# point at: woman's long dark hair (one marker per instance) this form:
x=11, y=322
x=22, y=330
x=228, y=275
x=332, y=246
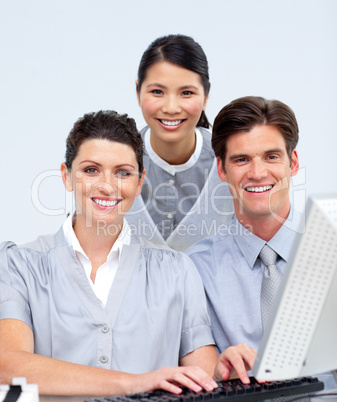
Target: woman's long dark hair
x=180, y=50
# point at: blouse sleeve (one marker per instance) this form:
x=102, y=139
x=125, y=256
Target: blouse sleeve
x=196, y=329
x=13, y=290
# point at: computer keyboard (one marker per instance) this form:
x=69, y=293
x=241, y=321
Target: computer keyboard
x=227, y=391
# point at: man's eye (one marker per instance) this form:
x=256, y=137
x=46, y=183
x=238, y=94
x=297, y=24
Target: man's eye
x=272, y=157
x=90, y=170
x=241, y=160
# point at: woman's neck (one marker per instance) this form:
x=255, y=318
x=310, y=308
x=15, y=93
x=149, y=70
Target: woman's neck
x=174, y=153
x=96, y=241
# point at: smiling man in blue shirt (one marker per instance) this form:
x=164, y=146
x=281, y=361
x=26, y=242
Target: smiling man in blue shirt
x=254, y=141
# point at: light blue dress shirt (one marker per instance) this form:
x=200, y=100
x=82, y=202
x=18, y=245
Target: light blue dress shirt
x=232, y=275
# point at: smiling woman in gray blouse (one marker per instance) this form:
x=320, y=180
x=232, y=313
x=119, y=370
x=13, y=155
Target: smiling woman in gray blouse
x=93, y=310
x=182, y=199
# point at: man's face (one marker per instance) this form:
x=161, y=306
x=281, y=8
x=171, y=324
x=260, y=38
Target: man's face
x=258, y=171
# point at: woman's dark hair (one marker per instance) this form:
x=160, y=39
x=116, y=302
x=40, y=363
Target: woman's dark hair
x=104, y=125
x=243, y=114
x=180, y=50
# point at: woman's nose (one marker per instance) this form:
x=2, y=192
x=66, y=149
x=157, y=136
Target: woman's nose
x=109, y=183
x=171, y=105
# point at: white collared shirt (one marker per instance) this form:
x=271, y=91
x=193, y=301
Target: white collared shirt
x=106, y=273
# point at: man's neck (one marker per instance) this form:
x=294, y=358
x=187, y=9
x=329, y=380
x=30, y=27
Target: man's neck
x=264, y=227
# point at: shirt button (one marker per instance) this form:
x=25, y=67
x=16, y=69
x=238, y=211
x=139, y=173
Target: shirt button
x=105, y=329
x=104, y=359
x=171, y=169
x=171, y=182
x=170, y=216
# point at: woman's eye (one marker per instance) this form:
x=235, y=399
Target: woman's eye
x=90, y=170
x=187, y=93
x=157, y=91
x=123, y=173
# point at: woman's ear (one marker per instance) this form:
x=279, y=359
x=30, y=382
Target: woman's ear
x=137, y=92
x=66, y=177
x=205, y=103
x=206, y=98
x=140, y=183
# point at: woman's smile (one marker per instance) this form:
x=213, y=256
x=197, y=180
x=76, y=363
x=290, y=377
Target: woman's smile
x=105, y=202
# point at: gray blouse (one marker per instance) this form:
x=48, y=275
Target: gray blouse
x=155, y=314
x=178, y=207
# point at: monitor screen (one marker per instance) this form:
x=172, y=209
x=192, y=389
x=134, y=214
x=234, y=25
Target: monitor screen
x=301, y=337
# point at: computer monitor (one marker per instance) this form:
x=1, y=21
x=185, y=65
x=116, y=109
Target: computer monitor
x=301, y=337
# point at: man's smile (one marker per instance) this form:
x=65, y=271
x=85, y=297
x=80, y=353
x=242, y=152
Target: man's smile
x=258, y=189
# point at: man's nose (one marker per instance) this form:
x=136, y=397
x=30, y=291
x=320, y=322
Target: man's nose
x=257, y=170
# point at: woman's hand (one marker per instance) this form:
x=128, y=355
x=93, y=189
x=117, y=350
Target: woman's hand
x=171, y=379
x=56, y=377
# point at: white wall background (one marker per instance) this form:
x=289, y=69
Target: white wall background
x=63, y=58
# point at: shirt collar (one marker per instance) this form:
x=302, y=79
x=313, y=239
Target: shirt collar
x=284, y=239
x=173, y=169
x=249, y=244
x=282, y=242
x=124, y=237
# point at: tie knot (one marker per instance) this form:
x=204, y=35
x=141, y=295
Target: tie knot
x=268, y=255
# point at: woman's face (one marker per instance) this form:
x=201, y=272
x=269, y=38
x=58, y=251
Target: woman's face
x=172, y=99
x=105, y=180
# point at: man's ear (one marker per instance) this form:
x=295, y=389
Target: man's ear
x=221, y=172
x=66, y=177
x=294, y=163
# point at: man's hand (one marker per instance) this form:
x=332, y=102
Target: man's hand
x=235, y=361
x=171, y=379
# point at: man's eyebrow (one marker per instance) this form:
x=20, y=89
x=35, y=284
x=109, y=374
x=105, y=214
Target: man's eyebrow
x=275, y=151
x=237, y=156
x=268, y=151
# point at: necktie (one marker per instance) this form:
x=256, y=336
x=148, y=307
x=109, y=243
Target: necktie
x=270, y=282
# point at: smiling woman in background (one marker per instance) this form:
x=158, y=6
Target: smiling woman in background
x=182, y=199
x=93, y=310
